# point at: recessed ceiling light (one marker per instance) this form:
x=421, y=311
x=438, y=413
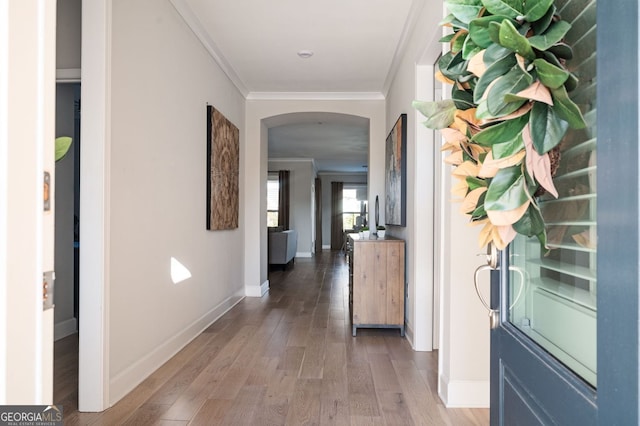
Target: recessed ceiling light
x=304, y=54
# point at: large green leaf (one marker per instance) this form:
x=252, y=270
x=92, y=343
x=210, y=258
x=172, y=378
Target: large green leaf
x=542, y=237
x=512, y=82
x=464, y=10
x=495, y=53
x=452, y=65
x=462, y=99
x=482, y=113
x=531, y=223
x=566, y=109
x=439, y=114
x=512, y=39
x=562, y=50
x=510, y=8
x=475, y=183
x=479, y=213
x=494, y=32
x=479, y=29
x=470, y=48
x=447, y=38
x=572, y=81
x=63, y=143
x=507, y=190
x=458, y=41
x=454, y=23
x=508, y=148
x=547, y=129
x=495, y=70
x=555, y=33
x=501, y=132
x=542, y=24
x=451, y=21
x=536, y=9
x=549, y=74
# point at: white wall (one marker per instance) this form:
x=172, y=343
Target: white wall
x=254, y=163
x=161, y=81
x=418, y=231
x=300, y=216
x=464, y=345
x=327, y=178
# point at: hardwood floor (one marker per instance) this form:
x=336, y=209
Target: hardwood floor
x=285, y=359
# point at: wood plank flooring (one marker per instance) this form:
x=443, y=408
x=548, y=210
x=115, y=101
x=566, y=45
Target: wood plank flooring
x=285, y=359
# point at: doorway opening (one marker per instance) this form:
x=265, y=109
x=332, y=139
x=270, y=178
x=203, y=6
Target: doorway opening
x=67, y=245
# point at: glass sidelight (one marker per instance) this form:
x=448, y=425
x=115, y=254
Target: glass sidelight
x=558, y=307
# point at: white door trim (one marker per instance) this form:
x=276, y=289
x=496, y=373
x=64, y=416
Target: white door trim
x=93, y=374
x=27, y=106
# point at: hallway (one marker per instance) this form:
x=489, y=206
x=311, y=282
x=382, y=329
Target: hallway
x=287, y=358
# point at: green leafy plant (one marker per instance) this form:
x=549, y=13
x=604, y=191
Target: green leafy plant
x=63, y=143
x=508, y=112
x=380, y=228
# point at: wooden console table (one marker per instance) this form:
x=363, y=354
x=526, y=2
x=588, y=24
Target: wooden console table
x=376, y=282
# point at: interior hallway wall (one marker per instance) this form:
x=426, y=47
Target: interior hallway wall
x=161, y=81
x=255, y=161
x=301, y=180
x=464, y=344
x=327, y=178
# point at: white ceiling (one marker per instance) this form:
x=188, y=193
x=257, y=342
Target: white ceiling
x=355, y=44
x=336, y=142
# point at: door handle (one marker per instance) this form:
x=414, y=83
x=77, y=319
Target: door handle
x=492, y=265
x=494, y=314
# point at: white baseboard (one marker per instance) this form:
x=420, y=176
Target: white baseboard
x=127, y=380
x=65, y=328
x=255, y=291
x=326, y=247
x=303, y=254
x=464, y=393
x=408, y=334
x=264, y=288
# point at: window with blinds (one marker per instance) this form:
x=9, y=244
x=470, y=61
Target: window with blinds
x=354, y=206
x=553, y=295
x=273, y=203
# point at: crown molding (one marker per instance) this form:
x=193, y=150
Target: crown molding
x=196, y=26
x=293, y=160
x=338, y=173
x=409, y=25
x=315, y=96
x=68, y=75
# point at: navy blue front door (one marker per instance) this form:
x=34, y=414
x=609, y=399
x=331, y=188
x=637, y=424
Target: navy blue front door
x=564, y=346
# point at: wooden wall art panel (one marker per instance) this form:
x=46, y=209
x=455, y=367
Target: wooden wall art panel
x=223, y=164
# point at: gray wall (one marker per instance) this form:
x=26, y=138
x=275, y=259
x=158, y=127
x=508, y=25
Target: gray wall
x=161, y=81
x=68, y=34
x=301, y=192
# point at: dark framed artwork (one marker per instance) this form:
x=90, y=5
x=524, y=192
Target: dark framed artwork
x=223, y=171
x=396, y=174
